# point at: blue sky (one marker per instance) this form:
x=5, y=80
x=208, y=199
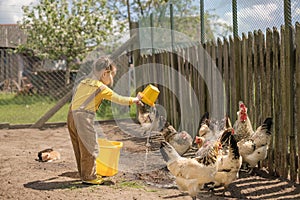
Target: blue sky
x=252, y=14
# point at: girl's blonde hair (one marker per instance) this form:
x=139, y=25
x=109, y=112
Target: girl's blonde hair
x=103, y=63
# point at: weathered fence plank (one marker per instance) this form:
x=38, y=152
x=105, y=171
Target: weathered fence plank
x=289, y=63
x=171, y=112
x=220, y=90
x=232, y=77
x=284, y=106
x=267, y=102
x=256, y=80
x=297, y=92
x=261, y=75
x=214, y=98
x=202, y=86
x=244, y=66
x=180, y=63
x=208, y=74
x=277, y=103
x=249, y=78
x=175, y=105
x=194, y=81
x=226, y=76
x=238, y=69
x=263, y=79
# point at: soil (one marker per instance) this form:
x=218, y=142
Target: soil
x=142, y=172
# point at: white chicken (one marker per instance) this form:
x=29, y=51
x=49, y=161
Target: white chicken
x=181, y=141
x=192, y=173
x=150, y=121
x=205, y=130
x=211, y=129
x=229, y=163
x=255, y=148
x=144, y=114
x=242, y=126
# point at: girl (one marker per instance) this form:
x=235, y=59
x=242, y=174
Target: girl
x=87, y=98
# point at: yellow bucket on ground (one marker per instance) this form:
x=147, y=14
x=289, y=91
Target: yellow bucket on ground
x=149, y=95
x=107, y=161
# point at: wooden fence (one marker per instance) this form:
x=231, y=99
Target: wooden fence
x=263, y=70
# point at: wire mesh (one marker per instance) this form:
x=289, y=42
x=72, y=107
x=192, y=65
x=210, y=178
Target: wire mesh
x=218, y=17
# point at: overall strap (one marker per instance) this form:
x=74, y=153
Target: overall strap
x=90, y=98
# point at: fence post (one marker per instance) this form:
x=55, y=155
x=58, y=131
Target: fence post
x=268, y=92
x=277, y=104
x=52, y=111
x=249, y=78
x=289, y=46
x=234, y=18
x=226, y=77
x=202, y=21
x=284, y=105
x=297, y=93
x=172, y=26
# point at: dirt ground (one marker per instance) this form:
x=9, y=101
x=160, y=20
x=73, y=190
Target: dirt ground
x=141, y=175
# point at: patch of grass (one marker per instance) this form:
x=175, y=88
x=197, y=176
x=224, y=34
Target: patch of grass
x=28, y=109
x=152, y=190
x=131, y=184
x=134, y=184
x=73, y=187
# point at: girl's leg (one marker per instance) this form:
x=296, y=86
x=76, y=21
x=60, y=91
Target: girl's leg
x=88, y=144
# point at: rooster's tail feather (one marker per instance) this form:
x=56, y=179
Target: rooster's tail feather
x=234, y=147
x=267, y=125
x=204, y=119
x=225, y=136
x=168, y=152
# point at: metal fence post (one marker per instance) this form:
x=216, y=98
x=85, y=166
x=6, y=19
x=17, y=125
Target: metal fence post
x=234, y=18
x=202, y=21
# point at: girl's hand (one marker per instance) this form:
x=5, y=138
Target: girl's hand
x=137, y=101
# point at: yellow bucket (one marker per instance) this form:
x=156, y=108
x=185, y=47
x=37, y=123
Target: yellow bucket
x=107, y=161
x=149, y=95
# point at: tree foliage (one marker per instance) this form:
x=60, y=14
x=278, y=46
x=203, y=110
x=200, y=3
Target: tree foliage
x=186, y=16
x=67, y=30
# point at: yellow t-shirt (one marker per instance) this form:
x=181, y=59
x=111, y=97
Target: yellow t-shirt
x=87, y=87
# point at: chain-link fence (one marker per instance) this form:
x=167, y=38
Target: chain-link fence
x=217, y=17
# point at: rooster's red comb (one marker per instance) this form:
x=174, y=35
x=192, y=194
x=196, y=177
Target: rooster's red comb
x=242, y=106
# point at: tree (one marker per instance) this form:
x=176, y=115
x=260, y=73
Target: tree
x=186, y=16
x=67, y=30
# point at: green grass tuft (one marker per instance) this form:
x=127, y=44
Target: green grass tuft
x=28, y=109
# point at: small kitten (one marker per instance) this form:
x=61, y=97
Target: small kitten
x=48, y=155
